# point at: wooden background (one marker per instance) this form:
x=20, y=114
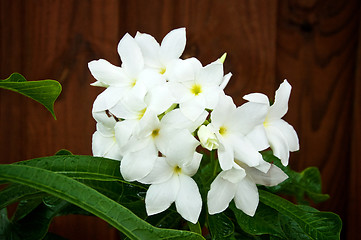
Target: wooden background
x=314, y=44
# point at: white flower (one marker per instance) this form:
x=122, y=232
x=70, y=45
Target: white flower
x=281, y=136
x=231, y=126
x=160, y=57
x=120, y=81
x=144, y=146
x=171, y=181
x=239, y=184
x=197, y=88
x=207, y=138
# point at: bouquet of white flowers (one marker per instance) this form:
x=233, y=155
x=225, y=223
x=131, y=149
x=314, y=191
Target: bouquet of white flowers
x=158, y=108
x=167, y=133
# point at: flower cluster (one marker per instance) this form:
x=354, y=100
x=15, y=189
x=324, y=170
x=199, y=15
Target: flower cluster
x=157, y=109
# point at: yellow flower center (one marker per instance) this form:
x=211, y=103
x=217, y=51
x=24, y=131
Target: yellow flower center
x=196, y=89
x=177, y=170
x=223, y=130
x=162, y=70
x=155, y=132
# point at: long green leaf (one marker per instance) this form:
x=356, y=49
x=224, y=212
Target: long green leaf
x=89, y=199
x=43, y=91
x=317, y=225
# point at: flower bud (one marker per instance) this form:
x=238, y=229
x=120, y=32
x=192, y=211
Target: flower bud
x=208, y=138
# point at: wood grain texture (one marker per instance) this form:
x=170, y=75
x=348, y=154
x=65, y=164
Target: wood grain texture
x=354, y=199
x=311, y=43
x=55, y=40
x=316, y=51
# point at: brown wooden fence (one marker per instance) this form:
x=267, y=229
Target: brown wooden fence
x=314, y=44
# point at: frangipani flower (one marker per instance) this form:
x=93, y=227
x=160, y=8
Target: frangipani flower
x=231, y=126
x=239, y=184
x=281, y=136
x=171, y=181
x=197, y=88
x=160, y=57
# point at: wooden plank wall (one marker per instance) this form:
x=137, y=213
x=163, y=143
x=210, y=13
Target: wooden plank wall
x=314, y=44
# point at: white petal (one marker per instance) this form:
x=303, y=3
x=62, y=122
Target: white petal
x=159, y=99
x=123, y=131
x=193, y=108
x=105, y=147
x=176, y=119
x=278, y=144
x=131, y=56
x=288, y=132
x=225, y=80
x=246, y=197
x=188, y=201
x=105, y=118
x=107, y=73
x=222, y=112
x=280, y=107
x=147, y=124
x=136, y=165
x=258, y=138
x=257, y=98
x=191, y=168
x=273, y=177
x=160, y=173
x=151, y=78
x=104, y=130
x=220, y=195
x=245, y=151
x=234, y=175
x=183, y=70
x=263, y=166
x=248, y=116
x=178, y=144
x=159, y=197
x=130, y=107
x=211, y=74
x=173, y=45
x=107, y=99
x=211, y=95
x=225, y=153
x=149, y=47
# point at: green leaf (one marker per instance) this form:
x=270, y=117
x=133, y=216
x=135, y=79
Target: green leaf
x=99, y=173
x=317, y=225
x=89, y=199
x=220, y=226
x=25, y=207
x=17, y=192
x=35, y=224
x=301, y=185
x=43, y=91
x=265, y=221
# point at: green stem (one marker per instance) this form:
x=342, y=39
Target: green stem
x=214, y=162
